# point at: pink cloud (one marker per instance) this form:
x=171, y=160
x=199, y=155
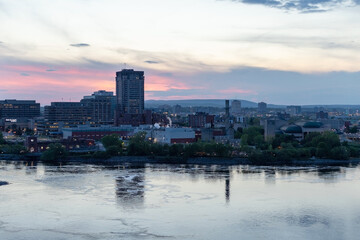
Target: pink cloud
x=34, y=82
x=160, y=83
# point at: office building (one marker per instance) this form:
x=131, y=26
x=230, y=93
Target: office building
x=14, y=109
x=262, y=107
x=100, y=107
x=200, y=120
x=63, y=115
x=236, y=107
x=130, y=91
x=293, y=110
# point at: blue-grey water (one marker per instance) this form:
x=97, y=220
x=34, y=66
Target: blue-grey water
x=178, y=202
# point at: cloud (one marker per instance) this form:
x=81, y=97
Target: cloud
x=80, y=45
x=304, y=6
x=50, y=70
x=152, y=62
x=25, y=74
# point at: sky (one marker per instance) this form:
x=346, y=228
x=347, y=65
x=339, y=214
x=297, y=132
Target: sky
x=277, y=51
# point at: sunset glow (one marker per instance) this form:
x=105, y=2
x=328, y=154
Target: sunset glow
x=49, y=52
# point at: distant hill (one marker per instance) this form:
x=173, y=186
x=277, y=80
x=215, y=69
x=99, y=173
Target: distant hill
x=220, y=103
x=203, y=103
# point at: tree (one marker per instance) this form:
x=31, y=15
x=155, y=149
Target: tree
x=222, y=150
x=252, y=133
x=176, y=150
x=331, y=140
x=138, y=145
x=113, y=145
x=114, y=150
x=14, y=149
x=244, y=139
x=191, y=150
x=259, y=141
x=322, y=150
x=238, y=133
x=353, y=129
x=2, y=140
x=254, y=121
x=340, y=153
x=282, y=138
x=111, y=140
x=54, y=152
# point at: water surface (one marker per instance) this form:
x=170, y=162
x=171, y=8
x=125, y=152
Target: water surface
x=178, y=202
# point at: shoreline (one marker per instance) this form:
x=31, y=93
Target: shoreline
x=190, y=161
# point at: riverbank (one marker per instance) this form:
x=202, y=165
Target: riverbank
x=191, y=161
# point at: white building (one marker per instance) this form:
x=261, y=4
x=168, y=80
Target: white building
x=173, y=135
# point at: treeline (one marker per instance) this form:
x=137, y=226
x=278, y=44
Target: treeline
x=281, y=149
x=139, y=146
x=6, y=148
x=285, y=148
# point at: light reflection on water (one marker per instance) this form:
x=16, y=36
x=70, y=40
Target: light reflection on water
x=178, y=202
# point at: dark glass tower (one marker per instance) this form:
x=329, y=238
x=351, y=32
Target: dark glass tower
x=130, y=91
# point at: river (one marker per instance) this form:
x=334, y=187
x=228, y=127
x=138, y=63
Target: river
x=82, y=201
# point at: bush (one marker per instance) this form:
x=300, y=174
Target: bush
x=114, y=150
x=111, y=140
x=2, y=140
x=13, y=149
x=340, y=153
x=54, y=152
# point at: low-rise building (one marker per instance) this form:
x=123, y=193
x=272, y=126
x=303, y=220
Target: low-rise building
x=173, y=135
x=96, y=133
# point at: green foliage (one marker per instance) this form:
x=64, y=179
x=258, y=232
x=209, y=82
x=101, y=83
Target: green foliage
x=322, y=150
x=113, y=145
x=54, y=152
x=353, y=129
x=111, y=140
x=157, y=149
x=114, y=150
x=354, y=150
x=2, y=140
x=331, y=139
x=138, y=145
x=12, y=149
x=285, y=156
x=340, y=153
x=252, y=133
x=238, y=133
x=244, y=140
x=259, y=141
x=254, y=121
x=282, y=138
x=176, y=150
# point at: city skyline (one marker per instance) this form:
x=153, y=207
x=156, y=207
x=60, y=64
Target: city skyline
x=281, y=52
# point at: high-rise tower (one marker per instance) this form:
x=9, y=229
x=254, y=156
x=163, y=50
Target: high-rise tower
x=130, y=91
